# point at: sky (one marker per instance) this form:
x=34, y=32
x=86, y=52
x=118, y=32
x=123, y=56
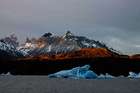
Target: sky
x=115, y=22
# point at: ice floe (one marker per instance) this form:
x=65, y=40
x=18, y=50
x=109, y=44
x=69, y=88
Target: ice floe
x=84, y=72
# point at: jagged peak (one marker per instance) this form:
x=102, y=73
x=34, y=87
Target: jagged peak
x=49, y=43
x=68, y=34
x=47, y=34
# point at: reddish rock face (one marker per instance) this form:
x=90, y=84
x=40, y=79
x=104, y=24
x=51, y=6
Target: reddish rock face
x=87, y=53
x=136, y=56
x=83, y=53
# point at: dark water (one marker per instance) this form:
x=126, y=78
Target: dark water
x=41, y=84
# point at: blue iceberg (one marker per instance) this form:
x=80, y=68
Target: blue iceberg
x=134, y=75
x=76, y=73
x=84, y=72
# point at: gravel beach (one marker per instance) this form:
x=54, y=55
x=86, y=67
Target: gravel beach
x=42, y=84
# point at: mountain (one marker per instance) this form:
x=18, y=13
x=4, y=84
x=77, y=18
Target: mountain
x=8, y=51
x=48, y=44
x=51, y=44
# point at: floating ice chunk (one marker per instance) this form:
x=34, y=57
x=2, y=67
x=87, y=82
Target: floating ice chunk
x=7, y=74
x=76, y=73
x=84, y=73
x=133, y=75
x=106, y=76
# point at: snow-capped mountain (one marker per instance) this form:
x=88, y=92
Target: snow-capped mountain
x=9, y=50
x=51, y=44
x=26, y=48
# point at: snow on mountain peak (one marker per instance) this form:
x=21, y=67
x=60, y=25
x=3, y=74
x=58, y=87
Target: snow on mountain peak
x=10, y=49
x=51, y=44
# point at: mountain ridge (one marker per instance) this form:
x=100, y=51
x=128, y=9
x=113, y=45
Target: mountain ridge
x=49, y=44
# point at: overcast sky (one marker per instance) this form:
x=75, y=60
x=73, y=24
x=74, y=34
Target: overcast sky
x=116, y=22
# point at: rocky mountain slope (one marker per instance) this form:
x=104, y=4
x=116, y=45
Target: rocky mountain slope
x=51, y=44
x=7, y=50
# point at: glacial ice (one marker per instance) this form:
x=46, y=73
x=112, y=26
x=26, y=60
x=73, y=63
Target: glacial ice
x=84, y=72
x=80, y=73
x=134, y=75
x=76, y=73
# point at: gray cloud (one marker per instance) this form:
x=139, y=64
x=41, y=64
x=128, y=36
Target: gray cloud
x=116, y=22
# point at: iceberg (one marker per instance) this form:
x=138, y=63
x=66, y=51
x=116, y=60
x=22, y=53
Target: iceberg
x=6, y=74
x=76, y=73
x=133, y=75
x=83, y=72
